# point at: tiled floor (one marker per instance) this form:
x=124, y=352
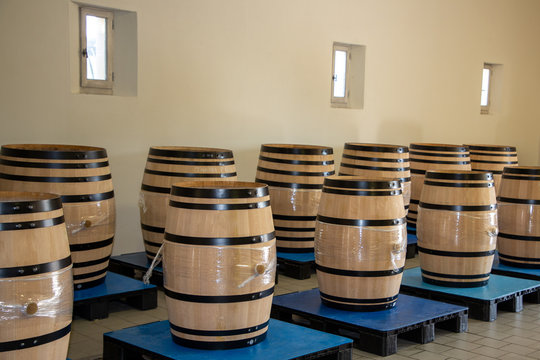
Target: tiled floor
x=511, y=336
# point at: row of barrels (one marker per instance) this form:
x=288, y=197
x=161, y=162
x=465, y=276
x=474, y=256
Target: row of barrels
x=368, y=216
x=295, y=175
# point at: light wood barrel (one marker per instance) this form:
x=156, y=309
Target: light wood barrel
x=36, y=281
x=424, y=157
x=519, y=217
x=457, y=228
x=166, y=165
x=493, y=158
x=360, y=243
x=295, y=175
x=81, y=176
x=378, y=160
x=219, y=263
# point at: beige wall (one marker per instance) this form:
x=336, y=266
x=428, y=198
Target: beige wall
x=239, y=73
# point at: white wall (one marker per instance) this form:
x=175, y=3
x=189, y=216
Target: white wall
x=240, y=73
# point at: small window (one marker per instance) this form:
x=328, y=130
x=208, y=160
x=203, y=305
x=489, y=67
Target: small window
x=485, y=100
x=348, y=68
x=340, y=68
x=96, y=50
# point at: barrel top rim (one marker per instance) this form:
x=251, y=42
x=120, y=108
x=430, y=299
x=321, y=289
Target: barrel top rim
x=438, y=145
x=298, y=146
x=22, y=196
x=525, y=167
x=361, y=182
x=404, y=148
x=189, y=148
x=459, y=175
x=521, y=170
x=53, y=147
x=488, y=147
x=391, y=146
x=216, y=185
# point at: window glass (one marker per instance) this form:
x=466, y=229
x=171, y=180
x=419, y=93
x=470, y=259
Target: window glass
x=340, y=73
x=96, y=51
x=484, y=99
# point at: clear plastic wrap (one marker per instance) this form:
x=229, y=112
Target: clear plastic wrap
x=519, y=219
x=49, y=295
x=81, y=217
x=459, y=230
x=219, y=269
x=142, y=203
x=291, y=201
x=355, y=247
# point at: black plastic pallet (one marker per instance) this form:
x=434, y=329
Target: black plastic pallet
x=296, y=269
x=501, y=293
x=412, y=250
x=135, y=265
x=368, y=337
x=93, y=303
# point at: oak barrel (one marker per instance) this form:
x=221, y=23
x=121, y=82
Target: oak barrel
x=457, y=228
x=519, y=217
x=360, y=243
x=295, y=175
x=493, y=158
x=166, y=165
x=36, y=283
x=378, y=160
x=219, y=263
x=81, y=176
x=426, y=156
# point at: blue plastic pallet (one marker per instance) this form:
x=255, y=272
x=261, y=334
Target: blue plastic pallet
x=283, y=341
x=135, y=264
x=93, y=303
x=296, y=265
x=482, y=301
x=377, y=331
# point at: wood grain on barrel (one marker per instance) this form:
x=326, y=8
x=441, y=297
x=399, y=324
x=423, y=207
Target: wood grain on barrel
x=219, y=263
x=81, y=176
x=457, y=228
x=360, y=242
x=166, y=165
x=35, y=277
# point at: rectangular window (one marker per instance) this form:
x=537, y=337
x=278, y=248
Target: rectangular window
x=348, y=69
x=485, y=96
x=340, y=72
x=96, y=50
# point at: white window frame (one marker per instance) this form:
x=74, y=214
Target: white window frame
x=340, y=101
x=96, y=86
x=484, y=109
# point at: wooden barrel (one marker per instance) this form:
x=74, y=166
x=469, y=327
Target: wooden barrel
x=457, y=228
x=166, y=165
x=219, y=263
x=295, y=175
x=82, y=177
x=378, y=160
x=519, y=217
x=360, y=243
x=424, y=157
x=493, y=158
x=36, y=281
